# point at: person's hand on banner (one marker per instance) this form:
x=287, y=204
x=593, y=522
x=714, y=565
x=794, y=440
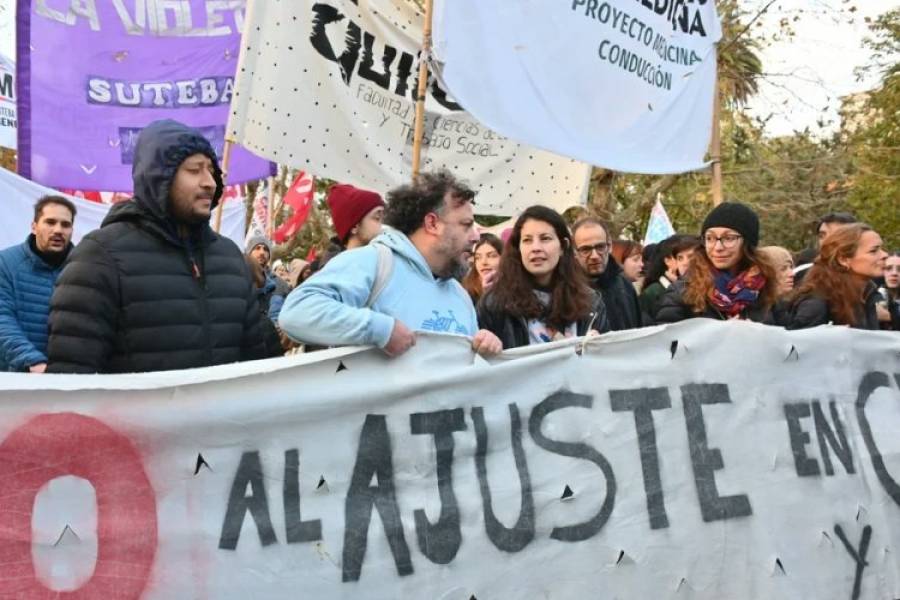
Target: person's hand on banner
x=486, y=343
x=401, y=340
x=38, y=368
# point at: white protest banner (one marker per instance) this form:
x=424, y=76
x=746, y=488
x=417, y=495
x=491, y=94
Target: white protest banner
x=624, y=84
x=8, y=120
x=704, y=460
x=328, y=86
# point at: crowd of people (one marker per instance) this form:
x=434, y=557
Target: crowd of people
x=155, y=288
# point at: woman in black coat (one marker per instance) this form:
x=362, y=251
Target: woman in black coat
x=839, y=287
x=727, y=278
x=541, y=294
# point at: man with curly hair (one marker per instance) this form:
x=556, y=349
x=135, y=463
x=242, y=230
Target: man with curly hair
x=404, y=281
x=155, y=288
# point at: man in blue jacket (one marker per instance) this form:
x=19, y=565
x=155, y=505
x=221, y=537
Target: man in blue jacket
x=28, y=272
x=404, y=281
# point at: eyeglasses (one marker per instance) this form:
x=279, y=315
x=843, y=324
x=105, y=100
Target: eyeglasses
x=729, y=240
x=586, y=251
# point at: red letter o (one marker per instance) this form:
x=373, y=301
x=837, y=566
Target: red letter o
x=54, y=445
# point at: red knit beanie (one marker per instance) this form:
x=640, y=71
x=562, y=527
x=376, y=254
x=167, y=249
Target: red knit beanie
x=348, y=206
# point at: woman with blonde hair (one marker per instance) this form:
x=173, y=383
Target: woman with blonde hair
x=783, y=263
x=839, y=288
x=727, y=277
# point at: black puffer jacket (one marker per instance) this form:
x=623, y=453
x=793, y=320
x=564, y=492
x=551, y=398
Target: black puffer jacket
x=673, y=308
x=623, y=309
x=135, y=297
x=513, y=330
x=811, y=310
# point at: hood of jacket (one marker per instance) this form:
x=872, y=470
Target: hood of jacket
x=400, y=244
x=161, y=148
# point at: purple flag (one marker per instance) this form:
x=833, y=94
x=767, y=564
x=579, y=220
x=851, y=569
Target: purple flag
x=91, y=75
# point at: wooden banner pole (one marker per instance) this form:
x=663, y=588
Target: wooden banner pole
x=715, y=149
x=419, y=130
x=226, y=157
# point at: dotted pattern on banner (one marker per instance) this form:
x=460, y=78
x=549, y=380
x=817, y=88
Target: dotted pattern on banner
x=324, y=87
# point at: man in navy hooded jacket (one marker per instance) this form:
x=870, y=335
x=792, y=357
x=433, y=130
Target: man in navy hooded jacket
x=155, y=288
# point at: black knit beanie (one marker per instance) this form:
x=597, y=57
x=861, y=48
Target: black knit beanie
x=737, y=216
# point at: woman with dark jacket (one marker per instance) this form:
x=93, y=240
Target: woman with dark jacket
x=727, y=278
x=541, y=293
x=266, y=298
x=838, y=288
x=671, y=260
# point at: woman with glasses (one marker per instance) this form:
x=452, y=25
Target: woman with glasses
x=485, y=263
x=727, y=278
x=541, y=294
x=839, y=288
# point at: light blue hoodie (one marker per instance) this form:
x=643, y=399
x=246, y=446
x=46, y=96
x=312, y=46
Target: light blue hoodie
x=329, y=308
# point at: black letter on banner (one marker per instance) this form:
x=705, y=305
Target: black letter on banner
x=806, y=466
x=440, y=542
x=834, y=438
x=323, y=15
x=382, y=80
x=643, y=401
x=519, y=535
x=859, y=557
x=554, y=402
x=249, y=471
x=870, y=382
x=296, y=529
x=373, y=457
x=707, y=460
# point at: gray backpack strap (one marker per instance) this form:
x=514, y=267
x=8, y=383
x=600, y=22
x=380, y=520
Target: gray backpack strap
x=383, y=271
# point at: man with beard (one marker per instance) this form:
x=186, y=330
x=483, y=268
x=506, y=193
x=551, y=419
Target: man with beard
x=28, y=272
x=403, y=281
x=592, y=247
x=155, y=288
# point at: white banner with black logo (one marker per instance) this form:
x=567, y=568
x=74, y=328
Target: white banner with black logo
x=703, y=460
x=328, y=87
x=623, y=84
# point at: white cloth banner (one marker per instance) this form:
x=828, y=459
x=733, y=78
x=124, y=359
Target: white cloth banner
x=705, y=460
x=617, y=83
x=8, y=119
x=328, y=86
x=20, y=194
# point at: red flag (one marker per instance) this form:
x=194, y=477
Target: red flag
x=311, y=255
x=300, y=198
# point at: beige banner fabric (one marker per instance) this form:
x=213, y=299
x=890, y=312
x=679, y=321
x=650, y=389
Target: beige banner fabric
x=703, y=460
x=329, y=87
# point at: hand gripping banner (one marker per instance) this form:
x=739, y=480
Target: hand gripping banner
x=704, y=460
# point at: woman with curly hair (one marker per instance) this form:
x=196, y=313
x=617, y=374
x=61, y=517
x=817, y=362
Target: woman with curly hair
x=485, y=263
x=727, y=277
x=541, y=293
x=839, y=288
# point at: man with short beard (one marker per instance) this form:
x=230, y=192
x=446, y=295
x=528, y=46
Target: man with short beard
x=28, y=272
x=592, y=247
x=403, y=281
x=155, y=288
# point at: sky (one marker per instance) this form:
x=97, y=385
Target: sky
x=814, y=68
x=806, y=74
